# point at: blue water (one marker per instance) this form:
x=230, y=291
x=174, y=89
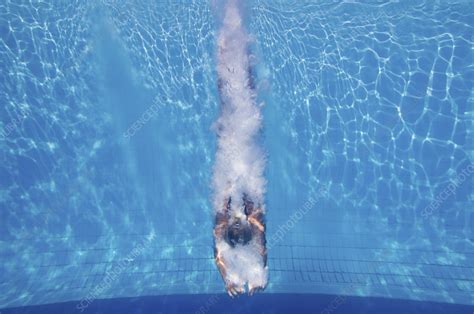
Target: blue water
x=107, y=153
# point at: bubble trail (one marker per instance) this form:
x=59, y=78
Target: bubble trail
x=238, y=181
x=240, y=161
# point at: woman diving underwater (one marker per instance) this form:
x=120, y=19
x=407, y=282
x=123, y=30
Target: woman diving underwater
x=242, y=231
x=239, y=183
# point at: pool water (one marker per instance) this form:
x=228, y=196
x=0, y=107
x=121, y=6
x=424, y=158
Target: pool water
x=107, y=152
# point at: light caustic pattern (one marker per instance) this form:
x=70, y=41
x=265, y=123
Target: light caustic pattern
x=371, y=100
x=76, y=196
x=375, y=101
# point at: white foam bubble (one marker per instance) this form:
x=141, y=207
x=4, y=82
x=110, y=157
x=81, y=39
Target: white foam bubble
x=244, y=264
x=240, y=161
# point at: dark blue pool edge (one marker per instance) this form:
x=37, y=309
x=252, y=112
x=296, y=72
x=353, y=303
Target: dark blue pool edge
x=265, y=302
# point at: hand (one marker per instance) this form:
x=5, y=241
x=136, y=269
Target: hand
x=252, y=290
x=234, y=290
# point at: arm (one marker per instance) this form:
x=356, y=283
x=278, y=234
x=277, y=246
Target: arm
x=220, y=263
x=219, y=235
x=232, y=289
x=256, y=218
x=258, y=232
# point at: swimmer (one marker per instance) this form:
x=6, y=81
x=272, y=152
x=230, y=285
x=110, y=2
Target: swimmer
x=239, y=231
x=242, y=228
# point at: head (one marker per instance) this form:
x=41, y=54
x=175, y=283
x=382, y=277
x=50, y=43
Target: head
x=238, y=232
